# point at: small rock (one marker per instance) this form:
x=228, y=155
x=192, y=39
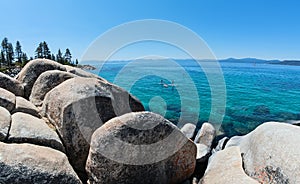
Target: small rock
x=23, y=105
x=33, y=70
x=206, y=135
x=29, y=129
x=202, y=151
x=5, y=120
x=203, y=154
x=271, y=153
x=27, y=164
x=7, y=99
x=11, y=84
x=140, y=147
x=221, y=144
x=226, y=167
x=189, y=130
x=45, y=82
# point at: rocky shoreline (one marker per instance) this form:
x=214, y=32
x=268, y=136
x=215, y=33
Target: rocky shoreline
x=61, y=124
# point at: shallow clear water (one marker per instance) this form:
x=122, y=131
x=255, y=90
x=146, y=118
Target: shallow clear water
x=255, y=93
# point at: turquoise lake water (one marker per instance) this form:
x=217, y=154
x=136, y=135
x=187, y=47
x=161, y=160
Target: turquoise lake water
x=255, y=93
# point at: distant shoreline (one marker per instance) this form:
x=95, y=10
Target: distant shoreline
x=290, y=62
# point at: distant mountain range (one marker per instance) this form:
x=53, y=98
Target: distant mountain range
x=261, y=61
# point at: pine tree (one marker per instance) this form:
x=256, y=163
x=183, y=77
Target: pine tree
x=76, y=62
x=18, y=52
x=68, y=57
x=2, y=59
x=24, y=59
x=43, y=51
x=10, y=54
x=59, y=57
x=53, y=57
x=4, y=45
x=39, y=51
x=46, y=51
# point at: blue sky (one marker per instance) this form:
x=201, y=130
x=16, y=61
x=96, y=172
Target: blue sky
x=267, y=29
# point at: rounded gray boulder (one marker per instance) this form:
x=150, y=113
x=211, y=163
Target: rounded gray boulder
x=27, y=164
x=26, y=128
x=79, y=106
x=23, y=105
x=5, y=120
x=140, y=147
x=7, y=99
x=271, y=152
x=33, y=70
x=11, y=84
x=45, y=82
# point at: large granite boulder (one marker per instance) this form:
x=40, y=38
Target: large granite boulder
x=271, y=153
x=11, y=84
x=27, y=164
x=7, y=99
x=23, y=105
x=81, y=73
x=140, y=147
x=79, y=106
x=226, y=167
x=45, y=82
x=5, y=119
x=189, y=130
x=33, y=70
x=29, y=129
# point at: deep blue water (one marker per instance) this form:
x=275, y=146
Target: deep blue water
x=255, y=93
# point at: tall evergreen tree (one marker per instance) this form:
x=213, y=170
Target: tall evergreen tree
x=46, y=51
x=10, y=54
x=39, y=51
x=18, y=51
x=68, y=56
x=53, y=57
x=2, y=59
x=24, y=59
x=4, y=45
x=43, y=51
x=59, y=57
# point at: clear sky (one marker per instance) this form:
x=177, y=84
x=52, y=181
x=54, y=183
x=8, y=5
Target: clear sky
x=267, y=29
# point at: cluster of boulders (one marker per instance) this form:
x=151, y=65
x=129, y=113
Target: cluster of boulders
x=60, y=124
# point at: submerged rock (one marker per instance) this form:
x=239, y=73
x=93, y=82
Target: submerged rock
x=140, y=148
x=27, y=164
x=5, y=120
x=33, y=70
x=79, y=106
x=271, y=153
x=45, y=82
x=226, y=167
x=261, y=110
x=11, y=84
x=7, y=99
x=29, y=129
